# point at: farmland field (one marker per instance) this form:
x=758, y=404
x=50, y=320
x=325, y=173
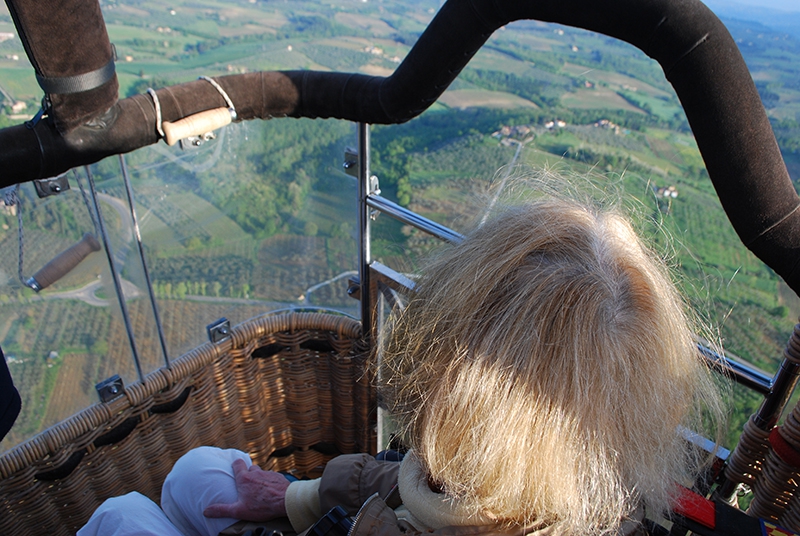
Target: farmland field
x=470, y=98
x=597, y=98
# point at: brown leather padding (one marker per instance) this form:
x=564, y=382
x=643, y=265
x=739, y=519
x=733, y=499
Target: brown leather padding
x=67, y=38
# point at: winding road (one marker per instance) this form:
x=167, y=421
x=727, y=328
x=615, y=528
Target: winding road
x=88, y=293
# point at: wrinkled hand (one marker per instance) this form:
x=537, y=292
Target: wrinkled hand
x=262, y=495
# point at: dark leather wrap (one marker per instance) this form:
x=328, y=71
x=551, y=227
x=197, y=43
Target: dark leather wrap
x=64, y=39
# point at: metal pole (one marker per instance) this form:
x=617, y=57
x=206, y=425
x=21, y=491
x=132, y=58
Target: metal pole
x=402, y=214
x=138, y=236
x=364, y=255
x=115, y=275
x=741, y=373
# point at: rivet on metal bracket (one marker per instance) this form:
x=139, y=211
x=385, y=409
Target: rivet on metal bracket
x=219, y=331
x=193, y=142
x=354, y=288
x=110, y=388
x=350, y=164
x=51, y=186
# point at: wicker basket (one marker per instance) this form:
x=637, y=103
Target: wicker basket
x=291, y=390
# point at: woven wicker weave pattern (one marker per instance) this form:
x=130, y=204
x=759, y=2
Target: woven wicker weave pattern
x=747, y=460
x=757, y=462
x=291, y=390
x=775, y=492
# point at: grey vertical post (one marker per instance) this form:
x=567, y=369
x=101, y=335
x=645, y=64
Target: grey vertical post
x=364, y=255
x=115, y=276
x=138, y=236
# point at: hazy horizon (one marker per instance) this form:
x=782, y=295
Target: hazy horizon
x=780, y=5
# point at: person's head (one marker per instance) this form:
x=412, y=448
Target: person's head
x=543, y=368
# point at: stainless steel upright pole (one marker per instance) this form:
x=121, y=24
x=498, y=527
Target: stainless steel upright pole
x=115, y=277
x=140, y=247
x=364, y=256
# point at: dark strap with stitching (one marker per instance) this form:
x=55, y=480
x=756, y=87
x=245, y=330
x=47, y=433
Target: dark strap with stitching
x=78, y=83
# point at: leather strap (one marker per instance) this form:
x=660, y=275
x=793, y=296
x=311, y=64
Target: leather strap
x=79, y=83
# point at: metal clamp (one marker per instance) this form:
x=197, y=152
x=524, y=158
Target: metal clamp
x=110, y=388
x=374, y=186
x=350, y=164
x=51, y=186
x=193, y=142
x=219, y=331
x=354, y=287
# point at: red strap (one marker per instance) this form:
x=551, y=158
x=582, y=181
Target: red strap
x=696, y=507
x=783, y=449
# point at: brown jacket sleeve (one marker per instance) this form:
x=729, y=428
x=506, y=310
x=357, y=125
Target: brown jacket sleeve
x=349, y=480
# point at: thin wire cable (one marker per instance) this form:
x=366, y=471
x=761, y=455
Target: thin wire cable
x=86, y=201
x=115, y=275
x=13, y=199
x=138, y=235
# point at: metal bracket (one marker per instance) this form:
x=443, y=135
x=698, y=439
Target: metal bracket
x=350, y=164
x=374, y=186
x=31, y=123
x=354, y=288
x=193, y=142
x=110, y=388
x=219, y=331
x=51, y=186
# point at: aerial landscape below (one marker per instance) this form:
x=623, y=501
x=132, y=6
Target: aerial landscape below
x=262, y=217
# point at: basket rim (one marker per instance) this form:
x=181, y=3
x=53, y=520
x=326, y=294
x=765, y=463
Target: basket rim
x=50, y=440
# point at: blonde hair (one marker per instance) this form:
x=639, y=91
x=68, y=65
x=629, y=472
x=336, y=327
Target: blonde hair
x=543, y=367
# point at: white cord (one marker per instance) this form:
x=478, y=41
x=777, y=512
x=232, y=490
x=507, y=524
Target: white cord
x=157, y=104
x=225, y=96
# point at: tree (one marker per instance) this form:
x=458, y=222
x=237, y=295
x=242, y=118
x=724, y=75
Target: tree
x=140, y=86
x=194, y=242
x=404, y=191
x=181, y=290
x=296, y=197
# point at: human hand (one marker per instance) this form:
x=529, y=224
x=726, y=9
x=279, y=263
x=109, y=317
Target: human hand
x=262, y=495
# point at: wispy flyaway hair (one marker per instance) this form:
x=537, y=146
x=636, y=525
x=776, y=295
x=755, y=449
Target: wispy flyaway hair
x=543, y=368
